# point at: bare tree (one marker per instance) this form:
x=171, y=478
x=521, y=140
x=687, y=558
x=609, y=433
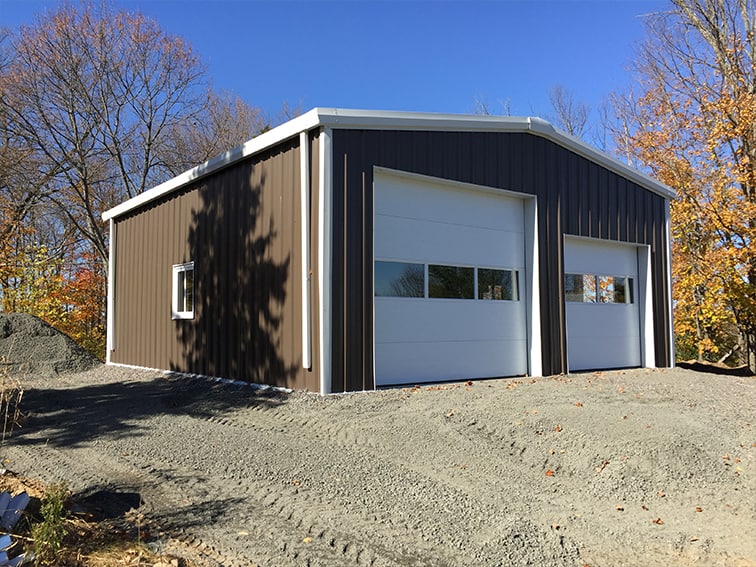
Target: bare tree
x=482, y=106
x=570, y=115
x=224, y=122
x=90, y=94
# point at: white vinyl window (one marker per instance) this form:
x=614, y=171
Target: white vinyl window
x=183, y=291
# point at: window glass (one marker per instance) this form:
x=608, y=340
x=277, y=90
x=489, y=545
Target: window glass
x=452, y=282
x=623, y=289
x=399, y=279
x=586, y=288
x=189, y=289
x=580, y=288
x=606, y=289
x=497, y=284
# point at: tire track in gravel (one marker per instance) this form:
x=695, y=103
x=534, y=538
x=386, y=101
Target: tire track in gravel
x=285, y=519
x=308, y=426
x=305, y=510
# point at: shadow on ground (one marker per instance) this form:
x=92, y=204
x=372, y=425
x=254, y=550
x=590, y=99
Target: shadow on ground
x=710, y=368
x=68, y=417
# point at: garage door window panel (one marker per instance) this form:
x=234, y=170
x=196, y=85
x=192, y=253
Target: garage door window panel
x=589, y=288
x=451, y=282
x=496, y=284
x=580, y=288
x=623, y=290
x=399, y=279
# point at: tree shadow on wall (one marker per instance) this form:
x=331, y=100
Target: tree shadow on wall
x=241, y=272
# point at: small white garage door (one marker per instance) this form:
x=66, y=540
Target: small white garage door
x=602, y=304
x=449, y=282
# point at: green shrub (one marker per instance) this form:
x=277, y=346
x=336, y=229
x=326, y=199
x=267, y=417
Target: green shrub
x=49, y=532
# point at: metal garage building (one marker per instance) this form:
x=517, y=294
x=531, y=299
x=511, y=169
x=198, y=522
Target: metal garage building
x=348, y=249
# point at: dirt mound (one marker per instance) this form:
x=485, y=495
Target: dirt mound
x=28, y=344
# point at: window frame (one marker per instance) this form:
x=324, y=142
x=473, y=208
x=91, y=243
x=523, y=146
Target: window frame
x=599, y=293
x=515, y=275
x=178, y=304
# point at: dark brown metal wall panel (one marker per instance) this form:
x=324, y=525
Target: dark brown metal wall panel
x=242, y=228
x=574, y=195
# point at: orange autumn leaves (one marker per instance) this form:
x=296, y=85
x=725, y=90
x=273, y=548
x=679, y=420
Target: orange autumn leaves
x=690, y=121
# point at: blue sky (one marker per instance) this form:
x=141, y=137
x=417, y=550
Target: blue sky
x=401, y=55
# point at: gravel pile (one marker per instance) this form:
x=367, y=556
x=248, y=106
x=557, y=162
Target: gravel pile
x=631, y=468
x=29, y=345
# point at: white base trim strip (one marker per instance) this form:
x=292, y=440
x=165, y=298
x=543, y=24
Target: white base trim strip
x=252, y=385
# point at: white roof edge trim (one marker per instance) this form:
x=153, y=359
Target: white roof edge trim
x=397, y=120
x=287, y=130
x=547, y=130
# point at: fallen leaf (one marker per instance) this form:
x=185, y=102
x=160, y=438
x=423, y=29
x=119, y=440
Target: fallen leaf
x=579, y=404
x=242, y=532
x=658, y=522
x=602, y=466
x=307, y=540
x=699, y=509
x=549, y=473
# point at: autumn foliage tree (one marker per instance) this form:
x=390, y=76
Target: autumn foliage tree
x=692, y=121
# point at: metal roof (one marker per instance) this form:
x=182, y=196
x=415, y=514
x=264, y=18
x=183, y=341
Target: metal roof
x=338, y=118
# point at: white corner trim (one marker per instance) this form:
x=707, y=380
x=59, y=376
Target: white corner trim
x=325, y=232
x=533, y=288
x=671, y=333
x=304, y=203
x=648, y=358
x=110, y=321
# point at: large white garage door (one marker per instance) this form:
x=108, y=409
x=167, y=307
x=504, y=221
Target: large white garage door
x=601, y=299
x=449, y=282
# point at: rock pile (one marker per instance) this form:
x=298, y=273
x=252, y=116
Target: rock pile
x=29, y=345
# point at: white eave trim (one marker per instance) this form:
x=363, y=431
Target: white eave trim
x=337, y=118
x=290, y=129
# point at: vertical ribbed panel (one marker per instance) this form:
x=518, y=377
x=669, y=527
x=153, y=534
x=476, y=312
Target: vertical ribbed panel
x=575, y=196
x=241, y=226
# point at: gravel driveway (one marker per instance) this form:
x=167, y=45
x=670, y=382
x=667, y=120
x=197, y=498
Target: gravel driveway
x=606, y=469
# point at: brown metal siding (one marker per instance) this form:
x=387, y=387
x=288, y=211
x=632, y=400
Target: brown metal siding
x=242, y=228
x=574, y=195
